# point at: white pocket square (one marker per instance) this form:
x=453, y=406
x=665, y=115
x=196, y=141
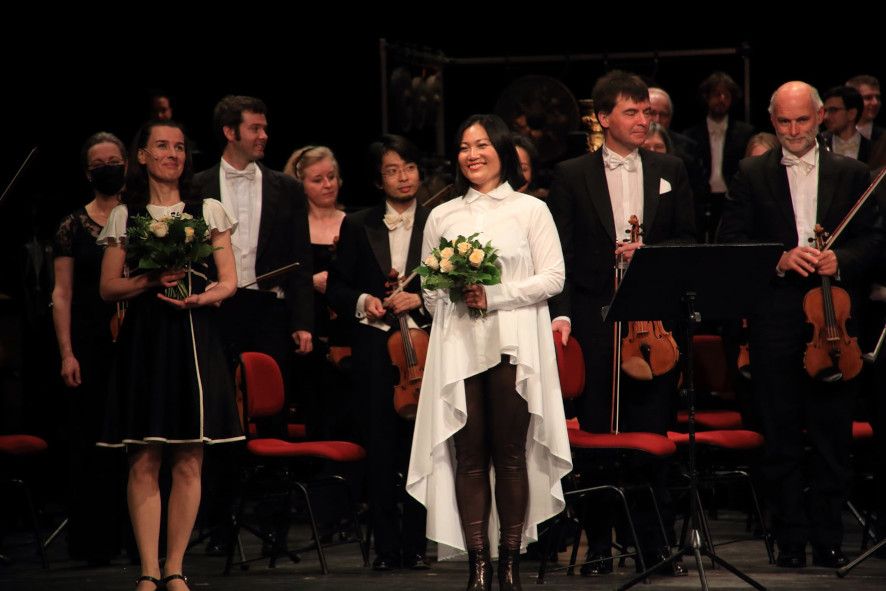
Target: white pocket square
x=663, y=187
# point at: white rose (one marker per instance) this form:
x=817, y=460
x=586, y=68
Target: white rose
x=464, y=248
x=477, y=257
x=447, y=253
x=446, y=265
x=189, y=234
x=432, y=263
x=186, y=216
x=159, y=229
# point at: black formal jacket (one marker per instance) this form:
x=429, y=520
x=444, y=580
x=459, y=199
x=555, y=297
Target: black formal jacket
x=864, y=147
x=363, y=261
x=737, y=135
x=580, y=204
x=759, y=209
x=283, y=238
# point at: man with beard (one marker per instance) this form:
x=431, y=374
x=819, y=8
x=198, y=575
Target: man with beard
x=375, y=244
x=721, y=144
x=779, y=197
x=842, y=110
x=274, y=316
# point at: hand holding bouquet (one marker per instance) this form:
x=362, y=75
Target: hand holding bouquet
x=171, y=243
x=457, y=264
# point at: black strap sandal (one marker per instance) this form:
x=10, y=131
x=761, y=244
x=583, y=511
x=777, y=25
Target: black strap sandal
x=157, y=582
x=175, y=577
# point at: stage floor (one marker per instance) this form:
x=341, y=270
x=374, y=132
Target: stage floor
x=347, y=572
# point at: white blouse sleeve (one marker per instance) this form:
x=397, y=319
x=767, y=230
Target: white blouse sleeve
x=430, y=241
x=217, y=216
x=114, y=231
x=547, y=262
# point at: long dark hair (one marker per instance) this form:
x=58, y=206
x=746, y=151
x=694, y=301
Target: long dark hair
x=500, y=138
x=137, y=192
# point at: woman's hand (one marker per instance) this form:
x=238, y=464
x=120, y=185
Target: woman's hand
x=71, y=371
x=192, y=301
x=475, y=296
x=320, y=281
x=170, y=277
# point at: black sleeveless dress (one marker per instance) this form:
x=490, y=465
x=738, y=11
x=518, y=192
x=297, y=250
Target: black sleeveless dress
x=170, y=382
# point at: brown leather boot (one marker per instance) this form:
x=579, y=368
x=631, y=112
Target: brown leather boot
x=480, y=570
x=509, y=569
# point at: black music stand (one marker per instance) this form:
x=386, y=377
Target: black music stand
x=714, y=281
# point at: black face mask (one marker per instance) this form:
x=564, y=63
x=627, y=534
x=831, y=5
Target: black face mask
x=108, y=179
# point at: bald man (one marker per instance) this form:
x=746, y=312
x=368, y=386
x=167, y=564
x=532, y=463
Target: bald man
x=779, y=197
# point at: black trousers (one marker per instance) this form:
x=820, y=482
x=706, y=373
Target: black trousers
x=398, y=520
x=796, y=411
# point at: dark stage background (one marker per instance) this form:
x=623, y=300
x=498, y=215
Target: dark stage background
x=322, y=86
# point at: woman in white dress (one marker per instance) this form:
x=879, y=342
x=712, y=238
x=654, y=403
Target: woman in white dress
x=490, y=389
x=170, y=382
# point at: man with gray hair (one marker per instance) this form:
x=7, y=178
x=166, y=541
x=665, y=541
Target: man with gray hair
x=780, y=197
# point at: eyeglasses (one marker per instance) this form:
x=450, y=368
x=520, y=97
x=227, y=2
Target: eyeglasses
x=832, y=110
x=98, y=163
x=394, y=171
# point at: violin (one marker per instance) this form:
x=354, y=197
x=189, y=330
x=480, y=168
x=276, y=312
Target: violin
x=408, y=348
x=832, y=355
x=648, y=349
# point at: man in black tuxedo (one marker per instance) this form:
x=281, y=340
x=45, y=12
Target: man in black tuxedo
x=272, y=231
x=869, y=88
x=843, y=106
x=722, y=142
x=372, y=243
x=591, y=199
x=276, y=315
x=779, y=197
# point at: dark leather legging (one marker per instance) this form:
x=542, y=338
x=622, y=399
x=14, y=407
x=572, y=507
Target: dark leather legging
x=498, y=420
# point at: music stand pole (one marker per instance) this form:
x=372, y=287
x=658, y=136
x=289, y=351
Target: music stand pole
x=720, y=281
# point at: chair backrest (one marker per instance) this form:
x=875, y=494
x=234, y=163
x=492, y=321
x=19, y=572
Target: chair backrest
x=570, y=367
x=711, y=373
x=262, y=385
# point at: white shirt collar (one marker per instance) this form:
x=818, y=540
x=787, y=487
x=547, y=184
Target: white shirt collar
x=498, y=193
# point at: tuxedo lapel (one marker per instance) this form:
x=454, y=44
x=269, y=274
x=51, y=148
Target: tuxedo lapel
x=598, y=189
x=377, y=235
x=270, y=197
x=415, y=241
x=827, y=184
x=651, y=187
x=778, y=185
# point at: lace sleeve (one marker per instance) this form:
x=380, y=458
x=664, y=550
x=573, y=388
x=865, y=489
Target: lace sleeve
x=62, y=244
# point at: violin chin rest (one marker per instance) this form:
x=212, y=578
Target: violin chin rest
x=829, y=375
x=637, y=368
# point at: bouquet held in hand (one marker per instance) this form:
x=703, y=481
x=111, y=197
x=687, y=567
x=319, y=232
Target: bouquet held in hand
x=458, y=263
x=175, y=242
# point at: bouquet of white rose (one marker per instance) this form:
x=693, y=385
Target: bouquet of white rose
x=175, y=242
x=458, y=263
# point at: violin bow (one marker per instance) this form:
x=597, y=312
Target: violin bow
x=276, y=272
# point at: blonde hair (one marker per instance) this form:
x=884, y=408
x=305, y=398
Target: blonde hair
x=767, y=140
x=305, y=157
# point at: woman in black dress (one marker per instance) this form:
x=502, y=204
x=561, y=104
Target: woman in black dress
x=83, y=333
x=170, y=382
x=326, y=416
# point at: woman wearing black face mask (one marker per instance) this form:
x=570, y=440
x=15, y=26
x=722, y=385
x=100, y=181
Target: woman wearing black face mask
x=84, y=340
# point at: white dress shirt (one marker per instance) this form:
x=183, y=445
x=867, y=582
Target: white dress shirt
x=624, y=178
x=717, y=134
x=848, y=148
x=398, y=241
x=865, y=129
x=241, y=192
x=803, y=182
